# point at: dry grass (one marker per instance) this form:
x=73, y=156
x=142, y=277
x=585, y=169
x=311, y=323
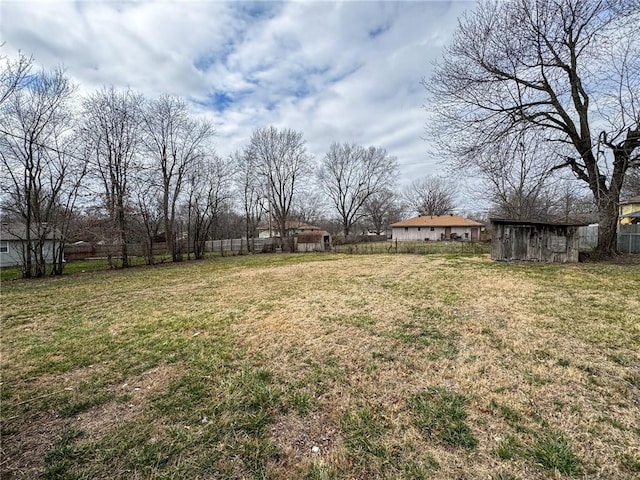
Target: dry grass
x=310, y=366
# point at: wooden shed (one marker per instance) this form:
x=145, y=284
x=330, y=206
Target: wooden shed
x=534, y=241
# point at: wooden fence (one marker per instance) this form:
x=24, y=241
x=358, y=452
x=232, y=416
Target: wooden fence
x=233, y=246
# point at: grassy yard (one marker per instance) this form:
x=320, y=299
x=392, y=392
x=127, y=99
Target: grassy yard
x=324, y=366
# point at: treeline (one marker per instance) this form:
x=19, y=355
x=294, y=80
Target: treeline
x=116, y=167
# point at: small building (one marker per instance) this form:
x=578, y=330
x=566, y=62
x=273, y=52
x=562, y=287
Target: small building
x=307, y=238
x=12, y=241
x=534, y=241
x=292, y=227
x=435, y=228
x=316, y=241
x=629, y=211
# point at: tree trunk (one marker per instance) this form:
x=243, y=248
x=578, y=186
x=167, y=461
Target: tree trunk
x=608, y=226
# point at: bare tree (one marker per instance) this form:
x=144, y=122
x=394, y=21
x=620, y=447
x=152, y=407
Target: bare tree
x=430, y=196
x=111, y=130
x=308, y=208
x=208, y=192
x=252, y=194
x=281, y=160
x=516, y=174
x=147, y=196
x=13, y=74
x=41, y=176
x=351, y=174
x=174, y=141
x=381, y=210
x=567, y=71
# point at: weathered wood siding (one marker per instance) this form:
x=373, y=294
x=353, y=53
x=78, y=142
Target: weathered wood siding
x=537, y=243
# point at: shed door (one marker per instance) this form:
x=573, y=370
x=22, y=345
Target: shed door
x=475, y=234
x=447, y=233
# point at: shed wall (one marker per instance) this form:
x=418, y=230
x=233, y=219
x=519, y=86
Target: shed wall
x=537, y=243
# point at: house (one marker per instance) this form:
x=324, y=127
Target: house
x=535, y=241
x=436, y=227
x=12, y=237
x=629, y=211
x=307, y=238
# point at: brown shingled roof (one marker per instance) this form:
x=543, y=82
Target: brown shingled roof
x=438, y=221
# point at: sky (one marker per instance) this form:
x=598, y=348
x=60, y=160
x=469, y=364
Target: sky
x=346, y=71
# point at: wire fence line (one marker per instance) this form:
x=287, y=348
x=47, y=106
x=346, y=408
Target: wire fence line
x=420, y=248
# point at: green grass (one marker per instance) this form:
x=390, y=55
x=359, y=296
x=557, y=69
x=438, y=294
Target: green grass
x=553, y=452
x=396, y=366
x=441, y=416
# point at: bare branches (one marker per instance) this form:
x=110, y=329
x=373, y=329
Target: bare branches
x=112, y=131
x=281, y=161
x=431, y=196
x=542, y=67
x=41, y=176
x=12, y=75
x=351, y=174
x=174, y=141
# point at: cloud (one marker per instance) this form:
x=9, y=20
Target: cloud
x=338, y=71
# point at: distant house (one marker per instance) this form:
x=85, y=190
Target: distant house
x=12, y=239
x=436, y=227
x=534, y=241
x=629, y=211
x=308, y=238
x=293, y=228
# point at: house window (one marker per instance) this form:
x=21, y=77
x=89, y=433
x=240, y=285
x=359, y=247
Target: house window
x=406, y=229
x=433, y=229
x=466, y=235
x=419, y=228
x=4, y=246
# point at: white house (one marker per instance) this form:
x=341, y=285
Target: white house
x=436, y=227
x=11, y=253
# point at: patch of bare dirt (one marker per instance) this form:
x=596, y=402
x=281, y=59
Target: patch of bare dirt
x=301, y=440
x=23, y=450
x=99, y=420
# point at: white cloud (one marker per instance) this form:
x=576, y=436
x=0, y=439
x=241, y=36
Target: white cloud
x=338, y=71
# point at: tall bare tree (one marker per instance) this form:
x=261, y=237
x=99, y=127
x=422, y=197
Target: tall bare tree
x=281, y=160
x=112, y=131
x=516, y=174
x=381, y=210
x=41, y=176
x=350, y=174
x=174, y=141
x=147, y=199
x=430, y=196
x=252, y=193
x=568, y=71
x=208, y=192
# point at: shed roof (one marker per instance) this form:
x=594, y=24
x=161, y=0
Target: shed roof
x=437, y=221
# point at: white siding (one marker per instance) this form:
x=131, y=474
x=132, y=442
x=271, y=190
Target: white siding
x=421, y=233
x=13, y=255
